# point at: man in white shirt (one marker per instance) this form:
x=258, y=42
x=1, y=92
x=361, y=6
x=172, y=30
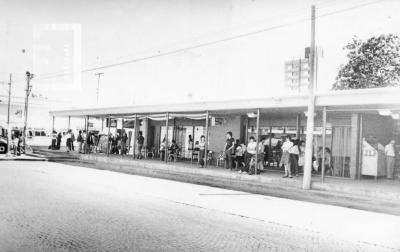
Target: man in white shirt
x=287, y=144
x=390, y=156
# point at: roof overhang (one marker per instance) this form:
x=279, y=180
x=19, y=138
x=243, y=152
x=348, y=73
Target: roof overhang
x=357, y=100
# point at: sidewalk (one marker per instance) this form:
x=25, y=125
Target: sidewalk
x=23, y=157
x=366, y=190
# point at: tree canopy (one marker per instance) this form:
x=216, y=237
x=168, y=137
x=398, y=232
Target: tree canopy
x=372, y=63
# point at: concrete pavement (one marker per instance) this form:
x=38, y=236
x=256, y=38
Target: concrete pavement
x=55, y=207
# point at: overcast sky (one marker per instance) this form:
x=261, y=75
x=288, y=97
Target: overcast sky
x=117, y=31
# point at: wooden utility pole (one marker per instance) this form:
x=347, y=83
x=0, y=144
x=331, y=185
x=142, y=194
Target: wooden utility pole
x=310, y=112
x=29, y=76
x=98, y=87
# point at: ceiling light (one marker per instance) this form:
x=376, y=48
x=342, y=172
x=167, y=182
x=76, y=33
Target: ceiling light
x=252, y=115
x=385, y=112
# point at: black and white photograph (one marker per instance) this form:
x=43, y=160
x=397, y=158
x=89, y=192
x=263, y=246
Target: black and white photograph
x=200, y=125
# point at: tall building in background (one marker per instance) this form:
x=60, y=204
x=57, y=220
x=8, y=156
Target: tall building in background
x=297, y=71
x=297, y=75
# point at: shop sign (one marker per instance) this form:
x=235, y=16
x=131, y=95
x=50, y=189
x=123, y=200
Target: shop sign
x=217, y=121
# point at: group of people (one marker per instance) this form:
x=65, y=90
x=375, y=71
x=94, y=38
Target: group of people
x=119, y=143
x=85, y=141
x=170, y=152
x=55, y=140
x=243, y=157
x=17, y=143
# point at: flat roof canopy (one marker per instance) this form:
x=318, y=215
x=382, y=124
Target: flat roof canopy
x=351, y=100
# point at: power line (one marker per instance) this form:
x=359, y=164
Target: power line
x=206, y=44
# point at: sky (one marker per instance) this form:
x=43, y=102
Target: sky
x=108, y=32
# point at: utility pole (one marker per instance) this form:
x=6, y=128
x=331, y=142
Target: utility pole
x=28, y=89
x=310, y=112
x=98, y=87
x=8, y=117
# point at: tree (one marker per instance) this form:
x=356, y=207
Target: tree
x=373, y=63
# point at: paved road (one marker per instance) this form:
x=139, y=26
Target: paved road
x=54, y=207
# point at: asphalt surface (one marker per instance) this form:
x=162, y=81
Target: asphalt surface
x=54, y=207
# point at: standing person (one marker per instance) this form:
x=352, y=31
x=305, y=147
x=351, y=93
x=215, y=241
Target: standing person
x=294, y=153
x=68, y=137
x=390, y=157
x=140, y=143
x=80, y=141
x=124, y=139
x=53, y=140
x=84, y=139
x=285, y=159
x=202, y=151
x=302, y=149
x=59, y=138
x=89, y=142
x=72, y=140
x=228, y=148
x=163, y=147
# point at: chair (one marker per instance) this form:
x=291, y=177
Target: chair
x=174, y=155
x=221, y=158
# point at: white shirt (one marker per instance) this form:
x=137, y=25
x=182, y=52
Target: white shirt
x=294, y=150
x=286, y=146
x=389, y=150
x=252, y=147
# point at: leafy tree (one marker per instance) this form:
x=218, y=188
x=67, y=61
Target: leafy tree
x=373, y=63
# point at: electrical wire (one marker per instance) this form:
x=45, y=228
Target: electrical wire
x=210, y=43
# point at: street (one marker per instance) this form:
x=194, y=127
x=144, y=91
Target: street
x=47, y=206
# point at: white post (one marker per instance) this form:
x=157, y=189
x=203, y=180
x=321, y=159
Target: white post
x=310, y=112
x=323, y=144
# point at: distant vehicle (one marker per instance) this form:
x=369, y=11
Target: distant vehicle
x=3, y=140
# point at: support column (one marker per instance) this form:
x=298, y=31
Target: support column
x=166, y=138
x=298, y=133
x=310, y=110
x=87, y=125
x=52, y=125
x=355, y=146
x=323, y=143
x=108, y=135
x=192, y=144
x=257, y=139
x=135, y=133
x=206, y=145
x=69, y=122
x=102, y=125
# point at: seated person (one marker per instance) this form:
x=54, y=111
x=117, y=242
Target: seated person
x=239, y=154
x=174, y=150
x=251, y=151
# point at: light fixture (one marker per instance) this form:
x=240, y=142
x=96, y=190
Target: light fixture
x=385, y=112
x=252, y=115
x=396, y=116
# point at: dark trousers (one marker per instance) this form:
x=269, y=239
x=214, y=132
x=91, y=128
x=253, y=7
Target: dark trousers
x=53, y=144
x=228, y=160
x=140, y=147
x=294, y=163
